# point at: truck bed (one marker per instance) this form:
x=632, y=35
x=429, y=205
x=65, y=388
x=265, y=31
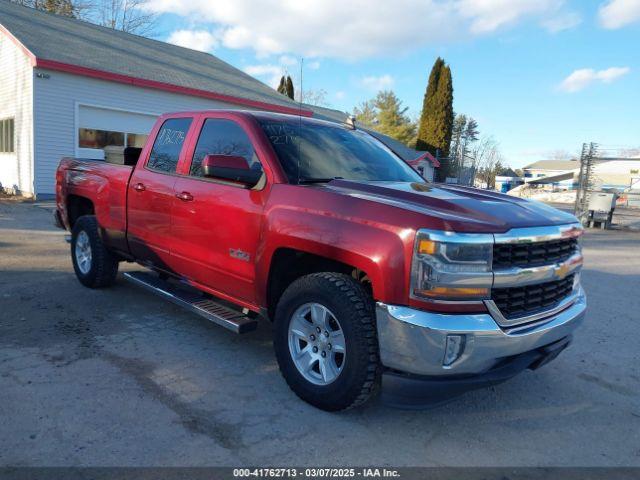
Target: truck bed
x=105, y=184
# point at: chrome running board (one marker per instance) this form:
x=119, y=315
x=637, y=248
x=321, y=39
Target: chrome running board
x=194, y=301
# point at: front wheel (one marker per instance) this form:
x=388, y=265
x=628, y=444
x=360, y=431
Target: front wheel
x=94, y=265
x=325, y=341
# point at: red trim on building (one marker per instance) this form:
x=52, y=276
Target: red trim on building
x=27, y=52
x=167, y=87
x=426, y=156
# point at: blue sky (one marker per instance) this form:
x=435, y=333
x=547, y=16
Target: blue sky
x=540, y=76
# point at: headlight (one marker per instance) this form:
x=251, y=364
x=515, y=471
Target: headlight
x=451, y=266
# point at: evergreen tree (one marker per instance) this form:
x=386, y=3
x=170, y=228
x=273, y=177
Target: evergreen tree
x=385, y=114
x=282, y=87
x=59, y=7
x=436, y=120
x=392, y=117
x=469, y=136
x=471, y=132
x=289, y=88
x=457, y=132
x=366, y=114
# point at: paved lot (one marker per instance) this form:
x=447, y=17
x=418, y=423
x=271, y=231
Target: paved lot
x=119, y=377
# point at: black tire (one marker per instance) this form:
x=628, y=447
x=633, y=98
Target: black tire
x=103, y=265
x=354, y=309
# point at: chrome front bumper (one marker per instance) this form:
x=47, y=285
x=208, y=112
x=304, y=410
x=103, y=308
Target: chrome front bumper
x=413, y=341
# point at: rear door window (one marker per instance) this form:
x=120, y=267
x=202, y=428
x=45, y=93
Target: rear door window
x=168, y=144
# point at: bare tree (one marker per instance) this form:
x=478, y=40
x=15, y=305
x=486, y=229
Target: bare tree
x=560, y=155
x=126, y=15
x=486, y=158
x=629, y=153
x=314, y=97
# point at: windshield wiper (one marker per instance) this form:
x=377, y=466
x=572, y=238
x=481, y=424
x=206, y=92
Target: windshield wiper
x=304, y=180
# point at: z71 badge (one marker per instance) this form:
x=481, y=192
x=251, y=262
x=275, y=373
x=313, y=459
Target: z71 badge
x=239, y=254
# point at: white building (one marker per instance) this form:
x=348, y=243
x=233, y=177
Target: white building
x=426, y=165
x=562, y=171
x=71, y=88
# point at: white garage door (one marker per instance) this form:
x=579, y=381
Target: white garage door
x=103, y=130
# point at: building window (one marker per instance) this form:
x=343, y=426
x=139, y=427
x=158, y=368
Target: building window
x=99, y=139
x=6, y=136
x=136, y=140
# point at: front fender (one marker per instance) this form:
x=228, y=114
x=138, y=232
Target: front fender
x=382, y=252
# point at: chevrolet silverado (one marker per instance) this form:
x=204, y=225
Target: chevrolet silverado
x=371, y=276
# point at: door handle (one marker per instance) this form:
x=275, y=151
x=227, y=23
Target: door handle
x=185, y=196
x=139, y=187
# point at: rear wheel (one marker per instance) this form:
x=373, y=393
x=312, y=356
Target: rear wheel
x=93, y=264
x=325, y=341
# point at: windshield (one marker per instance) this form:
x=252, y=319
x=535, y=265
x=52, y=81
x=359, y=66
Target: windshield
x=323, y=152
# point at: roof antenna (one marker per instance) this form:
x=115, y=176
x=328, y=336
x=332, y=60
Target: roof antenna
x=300, y=98
x=300, y=116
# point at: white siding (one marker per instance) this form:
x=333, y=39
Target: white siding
x=59, y=98
x=16, y=97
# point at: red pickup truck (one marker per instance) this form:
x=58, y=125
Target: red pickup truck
x=371, y=275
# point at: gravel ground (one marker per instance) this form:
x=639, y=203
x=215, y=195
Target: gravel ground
x=118, y=377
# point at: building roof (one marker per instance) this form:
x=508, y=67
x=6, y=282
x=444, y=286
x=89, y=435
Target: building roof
x=558, y=177
x=424, y=156
x=553, y=165
x=67, y=44
x=509, y=172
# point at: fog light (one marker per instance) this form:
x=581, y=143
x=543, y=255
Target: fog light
x=453, y=349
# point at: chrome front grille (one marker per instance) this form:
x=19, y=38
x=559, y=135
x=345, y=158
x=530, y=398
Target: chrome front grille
x=524, y=255
x=534, y=273
x=516, y=302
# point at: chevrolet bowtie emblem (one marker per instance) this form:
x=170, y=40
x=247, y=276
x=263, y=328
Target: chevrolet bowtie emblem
x=562, y=270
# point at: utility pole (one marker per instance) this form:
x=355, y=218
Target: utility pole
x=585, y=177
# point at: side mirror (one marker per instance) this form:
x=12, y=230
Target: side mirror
x=230, y=167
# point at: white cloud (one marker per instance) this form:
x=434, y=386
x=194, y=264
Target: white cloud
x=376, y=84
x=353, y=29
x=489, y=15
x=288, y=60
x=618, y=13
x=562, y=21
x=271, y=74
x=584, y=77
x=340, y=94
x=195, y=39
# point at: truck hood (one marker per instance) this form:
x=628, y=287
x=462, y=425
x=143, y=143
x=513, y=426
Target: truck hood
x=456, y=206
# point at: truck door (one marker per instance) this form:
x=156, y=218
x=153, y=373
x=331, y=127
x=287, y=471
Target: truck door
x=216, y=224
x=151, y=194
